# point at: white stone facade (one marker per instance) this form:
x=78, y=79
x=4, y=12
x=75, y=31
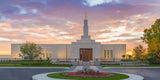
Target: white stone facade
x=54, y=51
x=72, y=51
x=68, y=51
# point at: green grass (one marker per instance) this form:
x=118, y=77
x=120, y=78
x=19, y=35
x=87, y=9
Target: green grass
x=151, y=65
x=40, y=65
x=59, y=76
x=154, y=65
x=30, y=63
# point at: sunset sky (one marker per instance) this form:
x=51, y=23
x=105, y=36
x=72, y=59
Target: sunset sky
x=61, y=21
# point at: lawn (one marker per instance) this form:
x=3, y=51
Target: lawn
x=151, y=65
x=35, y=65
x=32, y=63
x=59, y=76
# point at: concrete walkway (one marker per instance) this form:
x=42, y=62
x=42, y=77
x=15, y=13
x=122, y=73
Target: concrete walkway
x=76, y=68
x=131, y=67
x=37, y=67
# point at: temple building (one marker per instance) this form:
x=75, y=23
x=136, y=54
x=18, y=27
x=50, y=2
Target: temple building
x=84, y=49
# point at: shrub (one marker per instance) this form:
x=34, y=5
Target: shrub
x=127, y=60
x=35, y=63
x=110, y=64
x=154, y=62
x=89, y=71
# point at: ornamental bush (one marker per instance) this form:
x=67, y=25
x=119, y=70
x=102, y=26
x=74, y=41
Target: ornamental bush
x=154, y=62
x=89, y=72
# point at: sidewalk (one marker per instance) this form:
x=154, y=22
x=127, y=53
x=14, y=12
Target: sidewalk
x=36, y=67
x=130, y=67
x=75, y=68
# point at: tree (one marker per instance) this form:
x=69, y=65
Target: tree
x=130, y=56
x=151, y=37
x=151, y=56
x=123, y=56
x=138, y=51
x=30, y=51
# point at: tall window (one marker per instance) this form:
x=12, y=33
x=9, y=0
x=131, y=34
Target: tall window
x=108, y=54
x=104, y=54
x=111, y=53
x=44, y=53
x=47, y=53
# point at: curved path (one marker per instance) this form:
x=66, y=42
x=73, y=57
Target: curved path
x=76, y=68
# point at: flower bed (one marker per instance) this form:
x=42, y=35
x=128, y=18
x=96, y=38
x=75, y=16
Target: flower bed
x=88, y=73
x=59, y=75
x=75, y=74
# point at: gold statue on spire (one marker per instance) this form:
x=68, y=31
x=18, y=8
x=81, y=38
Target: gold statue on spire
x=85, y=15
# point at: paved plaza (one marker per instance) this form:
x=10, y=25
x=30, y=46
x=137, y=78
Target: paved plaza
x=24, y=73
x=147, y=73
x=27, y=73
x=77, y=68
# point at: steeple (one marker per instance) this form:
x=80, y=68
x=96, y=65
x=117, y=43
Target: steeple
x=85, y=15
x=85, y=38
x=85, y=27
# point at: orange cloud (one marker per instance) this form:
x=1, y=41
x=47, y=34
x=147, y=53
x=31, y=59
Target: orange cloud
x=6, y=25
x=72, y=25
x=118, y=11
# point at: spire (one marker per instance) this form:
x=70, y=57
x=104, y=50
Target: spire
x=85, y=28
x=85, y=15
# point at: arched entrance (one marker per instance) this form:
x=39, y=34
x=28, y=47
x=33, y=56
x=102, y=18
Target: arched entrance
x=86, y=54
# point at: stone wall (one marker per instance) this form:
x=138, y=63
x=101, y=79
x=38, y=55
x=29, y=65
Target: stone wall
x=54, y=51
x=118, y=50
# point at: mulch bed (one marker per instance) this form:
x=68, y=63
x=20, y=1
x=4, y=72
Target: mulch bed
x=101, y=74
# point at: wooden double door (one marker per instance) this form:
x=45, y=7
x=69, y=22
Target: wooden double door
x=86, y=54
